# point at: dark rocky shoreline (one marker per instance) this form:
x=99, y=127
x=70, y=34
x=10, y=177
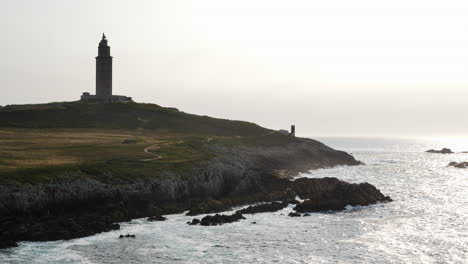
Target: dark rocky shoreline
x=319, y=195
x=78, y=205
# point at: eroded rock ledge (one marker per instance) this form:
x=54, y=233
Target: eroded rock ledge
x=319, y=195
x=79, y=205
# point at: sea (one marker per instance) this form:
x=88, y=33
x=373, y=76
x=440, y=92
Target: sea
x=426, y=223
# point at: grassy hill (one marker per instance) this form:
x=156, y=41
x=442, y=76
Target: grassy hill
x=113, y=141
x=121, y=116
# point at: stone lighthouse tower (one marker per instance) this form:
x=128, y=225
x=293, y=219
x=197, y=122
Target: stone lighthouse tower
x=104, y=78
x=104, y=70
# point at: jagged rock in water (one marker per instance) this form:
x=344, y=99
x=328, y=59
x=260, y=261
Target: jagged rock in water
x=195, y=221
x=460, y=165
x=127, y=236
x=294, y=214
x=331, y=194
x=262, y=208
x=217, y=219
x=155, y=218
x=442, y=151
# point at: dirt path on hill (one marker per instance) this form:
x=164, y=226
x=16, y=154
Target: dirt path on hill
x=157, y=146
x=152, y=147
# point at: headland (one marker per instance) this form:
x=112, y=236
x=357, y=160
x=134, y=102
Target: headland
x=75, y=169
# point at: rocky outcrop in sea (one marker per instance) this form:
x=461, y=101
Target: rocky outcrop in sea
x=460, y=165
x=442, y=151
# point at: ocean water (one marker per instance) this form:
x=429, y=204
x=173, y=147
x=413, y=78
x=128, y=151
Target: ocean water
x=426, y=223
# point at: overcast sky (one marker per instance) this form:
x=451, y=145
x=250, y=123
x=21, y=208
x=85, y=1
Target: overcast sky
x=329, y=67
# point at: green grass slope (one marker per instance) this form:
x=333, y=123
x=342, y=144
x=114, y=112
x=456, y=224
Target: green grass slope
x=113, y=142
x=122, y=116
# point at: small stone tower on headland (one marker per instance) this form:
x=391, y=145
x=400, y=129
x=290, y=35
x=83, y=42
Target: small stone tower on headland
x=293, y=131
x=103, y=69
x=104, y=78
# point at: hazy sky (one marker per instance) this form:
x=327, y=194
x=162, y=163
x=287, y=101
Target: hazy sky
x=330, y=67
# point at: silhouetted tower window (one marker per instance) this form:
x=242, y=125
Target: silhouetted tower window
x=103, y=69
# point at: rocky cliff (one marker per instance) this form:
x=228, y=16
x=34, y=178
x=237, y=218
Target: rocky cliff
x=77, y=205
